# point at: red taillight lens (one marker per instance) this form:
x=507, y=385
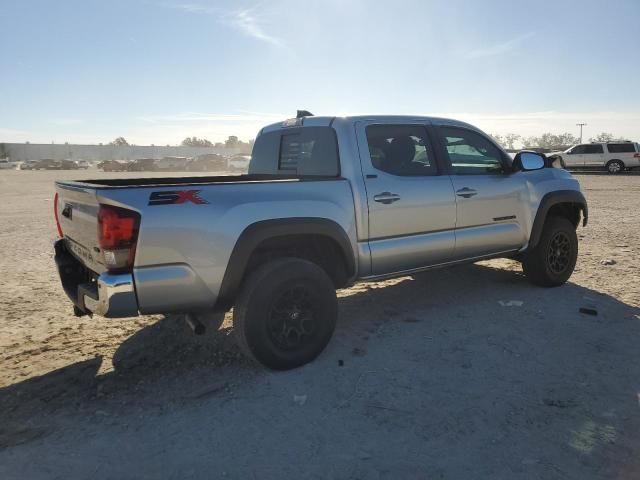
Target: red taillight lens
x=117, y=235
x=636, y=155
x=55, y=214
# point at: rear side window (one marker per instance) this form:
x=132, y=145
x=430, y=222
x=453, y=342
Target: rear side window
x=311, y=151
x=593, y=149
x=621, y=147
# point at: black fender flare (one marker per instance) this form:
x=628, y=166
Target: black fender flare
x=258, y=232
x=573, y=197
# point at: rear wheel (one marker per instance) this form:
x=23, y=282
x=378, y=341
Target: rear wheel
x=286, y=313
x=615, y=166
x=551, y=262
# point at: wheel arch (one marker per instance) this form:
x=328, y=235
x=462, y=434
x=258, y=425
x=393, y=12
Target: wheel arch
x=620, y=161
x=315, y=239
x=570, y=204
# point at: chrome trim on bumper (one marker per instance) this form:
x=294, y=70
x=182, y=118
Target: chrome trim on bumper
x=116, y=296
x=107, y=294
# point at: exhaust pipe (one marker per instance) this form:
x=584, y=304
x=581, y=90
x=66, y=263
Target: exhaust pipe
x=195, y=325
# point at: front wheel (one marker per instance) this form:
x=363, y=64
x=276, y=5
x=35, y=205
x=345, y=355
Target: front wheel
x=552, y=261
x=615, y=166
x=286, y=313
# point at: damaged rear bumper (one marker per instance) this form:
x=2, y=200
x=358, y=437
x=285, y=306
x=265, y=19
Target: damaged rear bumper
x=107, y=295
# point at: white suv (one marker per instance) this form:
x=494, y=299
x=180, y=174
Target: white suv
x=615, y=157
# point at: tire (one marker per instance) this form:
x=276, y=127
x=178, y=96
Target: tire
x=285, y=313
x=615, y=166
x=551, y=262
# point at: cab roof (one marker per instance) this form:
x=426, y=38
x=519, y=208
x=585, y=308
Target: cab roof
x=326, y=121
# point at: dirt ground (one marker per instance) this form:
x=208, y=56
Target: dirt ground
x=437, y=375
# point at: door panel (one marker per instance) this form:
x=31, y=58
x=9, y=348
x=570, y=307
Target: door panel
x=412, y=209
x=574, y=160
x=490, y=203
x=594, y=156
x=491, y=220
x=576, y=156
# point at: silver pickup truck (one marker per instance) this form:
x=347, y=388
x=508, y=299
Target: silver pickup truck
x=328, y=201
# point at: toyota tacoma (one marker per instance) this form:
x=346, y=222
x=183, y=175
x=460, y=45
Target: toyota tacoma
x=327, y=201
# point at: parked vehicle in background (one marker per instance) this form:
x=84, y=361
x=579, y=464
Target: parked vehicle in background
x=614, y=157
x=209, y=162
x=171, y=164
x=7, y=164
x=68, y=165
x=28, y=165
x=239, y=163
x=142, y=165
x=113, y=166
x=49, y=164
x=82, y=164
x=328, y=201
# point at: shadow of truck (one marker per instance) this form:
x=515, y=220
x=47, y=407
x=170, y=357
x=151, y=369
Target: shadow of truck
x=435, y=358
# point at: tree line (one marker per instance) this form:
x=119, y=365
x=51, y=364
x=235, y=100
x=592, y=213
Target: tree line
x=509, y=140
x=232, y=142
x=548, y=140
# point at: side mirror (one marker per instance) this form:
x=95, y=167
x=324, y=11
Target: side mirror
x=527, y=161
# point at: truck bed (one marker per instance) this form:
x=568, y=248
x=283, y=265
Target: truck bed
x=103, y=183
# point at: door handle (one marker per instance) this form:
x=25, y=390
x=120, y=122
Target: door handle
x=386, y=197
x=466, y=192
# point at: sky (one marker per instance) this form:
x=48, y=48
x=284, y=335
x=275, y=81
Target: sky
x=156, y=71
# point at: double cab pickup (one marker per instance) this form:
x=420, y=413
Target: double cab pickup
x=327, y=201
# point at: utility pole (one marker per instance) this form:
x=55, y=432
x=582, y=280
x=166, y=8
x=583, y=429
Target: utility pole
x=581, y=125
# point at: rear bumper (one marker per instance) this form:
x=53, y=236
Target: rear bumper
x=107, y=295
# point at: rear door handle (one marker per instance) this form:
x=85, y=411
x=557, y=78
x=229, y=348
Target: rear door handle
x=386, y=197
x=466, y=192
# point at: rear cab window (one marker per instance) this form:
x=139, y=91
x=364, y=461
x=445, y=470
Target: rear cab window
x=301, y=151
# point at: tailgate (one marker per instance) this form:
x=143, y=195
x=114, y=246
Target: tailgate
x=77, y=212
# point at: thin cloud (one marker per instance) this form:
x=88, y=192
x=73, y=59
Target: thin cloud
x=499, y=48
x=245, y=21
x=197, y=117
x=249, y=23
x=66, y=122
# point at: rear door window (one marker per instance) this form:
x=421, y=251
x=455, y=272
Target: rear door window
x=402, y=150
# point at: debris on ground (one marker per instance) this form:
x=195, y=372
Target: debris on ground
x=550, y=402
x=607, y=261
x=300, y=399
x=511, y=303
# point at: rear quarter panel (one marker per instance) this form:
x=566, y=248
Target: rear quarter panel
x=193, y=243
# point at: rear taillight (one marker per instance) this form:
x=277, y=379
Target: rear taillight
x=55, y=214
x=117, y=236
x=636, y=155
